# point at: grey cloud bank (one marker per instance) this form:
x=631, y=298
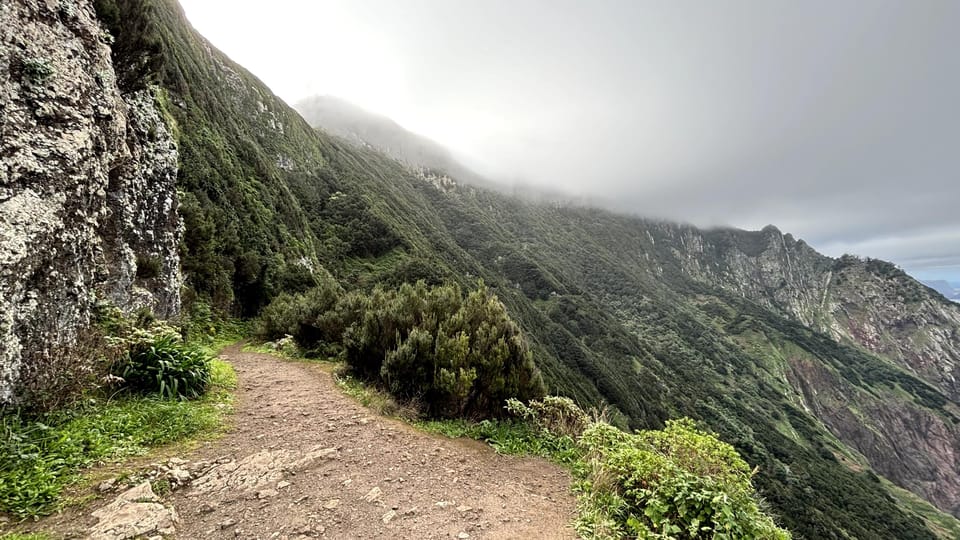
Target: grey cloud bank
x=836, y=121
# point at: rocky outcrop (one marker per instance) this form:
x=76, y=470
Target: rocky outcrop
x=136, y=513
x=869, y=303
x=911, y=445
x=873, y=304
x=87, y=187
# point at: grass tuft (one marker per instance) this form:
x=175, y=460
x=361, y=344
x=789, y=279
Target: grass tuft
x=518, y=438
x=40, y=456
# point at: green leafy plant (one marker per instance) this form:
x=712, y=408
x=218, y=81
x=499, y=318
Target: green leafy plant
x=512, y=437
x=40, y=455
x=675, y=483
x=553, y=414
x=148, y=267
x=158, y=361
x=672, y=483
x=456, y=356
x=309, y=317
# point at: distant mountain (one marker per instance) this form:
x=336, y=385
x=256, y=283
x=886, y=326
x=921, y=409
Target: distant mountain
x=430, y=158
x=947, y=289
x=344, y=119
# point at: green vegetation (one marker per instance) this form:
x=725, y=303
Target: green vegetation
x=449, y=355
x=162, y=390
x=943, y=525
x=29, y=536
x=677, y=482
x=39, y=456
x=37, y=70
x=156, y=360
x=672, y=483
x=456, y=356
x=613, y=309
x=511, y=437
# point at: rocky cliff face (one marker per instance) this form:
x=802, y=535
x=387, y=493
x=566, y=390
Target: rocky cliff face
x=887, y=312
x=871, y=304
x=87, y=187
x=914, y=447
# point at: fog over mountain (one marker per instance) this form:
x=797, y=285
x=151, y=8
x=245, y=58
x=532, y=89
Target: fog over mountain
x=835, y=121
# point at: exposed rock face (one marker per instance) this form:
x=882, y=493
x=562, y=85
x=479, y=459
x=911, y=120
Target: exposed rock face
x=136, y=513
x=868, y=303
x=910, y=445
x=872, y=305
x=892, y=315
x=87, y=195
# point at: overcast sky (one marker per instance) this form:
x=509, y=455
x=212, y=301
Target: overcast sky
x=837, y=121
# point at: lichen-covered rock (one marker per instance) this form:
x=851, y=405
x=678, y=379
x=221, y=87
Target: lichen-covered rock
x=86, y=187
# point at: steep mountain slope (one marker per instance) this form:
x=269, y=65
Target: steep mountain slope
x=869, y=303
x=346, y=120
x=657, y=319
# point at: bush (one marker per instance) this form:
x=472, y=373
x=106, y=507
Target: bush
x=554, y=414
x=674, y=483
x=309, y=317
x=148, y=267
x=456, y=356
x=157, y=361
x=59, y=374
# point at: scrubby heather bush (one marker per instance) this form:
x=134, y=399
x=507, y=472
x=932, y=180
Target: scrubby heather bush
x=158, y=361
x=674, y=483
x=456, y=356
x=309, y=317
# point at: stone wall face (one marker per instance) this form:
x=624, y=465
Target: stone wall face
x=87, y=186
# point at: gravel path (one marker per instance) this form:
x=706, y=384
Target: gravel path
x=305, y=461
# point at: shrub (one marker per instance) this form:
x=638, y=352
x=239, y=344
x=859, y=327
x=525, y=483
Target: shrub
x=148, y=267
x=309, y=317
x=157, y=361
x=61, y=371
x=457, y=356
x=554, y=414
x=674, y=483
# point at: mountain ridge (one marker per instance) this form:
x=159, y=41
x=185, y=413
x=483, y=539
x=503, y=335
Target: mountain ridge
x=372, y=220
x=344, y=119
x=818, y=381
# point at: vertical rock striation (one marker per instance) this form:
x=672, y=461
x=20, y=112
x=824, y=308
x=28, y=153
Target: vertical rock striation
x=88, y=207
x=869, y=303
x=872, y=305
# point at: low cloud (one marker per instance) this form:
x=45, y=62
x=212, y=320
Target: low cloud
x=835, y=121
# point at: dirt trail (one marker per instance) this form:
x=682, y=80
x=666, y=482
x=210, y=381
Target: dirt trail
x=305, y=461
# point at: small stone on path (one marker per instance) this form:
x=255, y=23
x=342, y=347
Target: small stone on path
x=373, y=494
